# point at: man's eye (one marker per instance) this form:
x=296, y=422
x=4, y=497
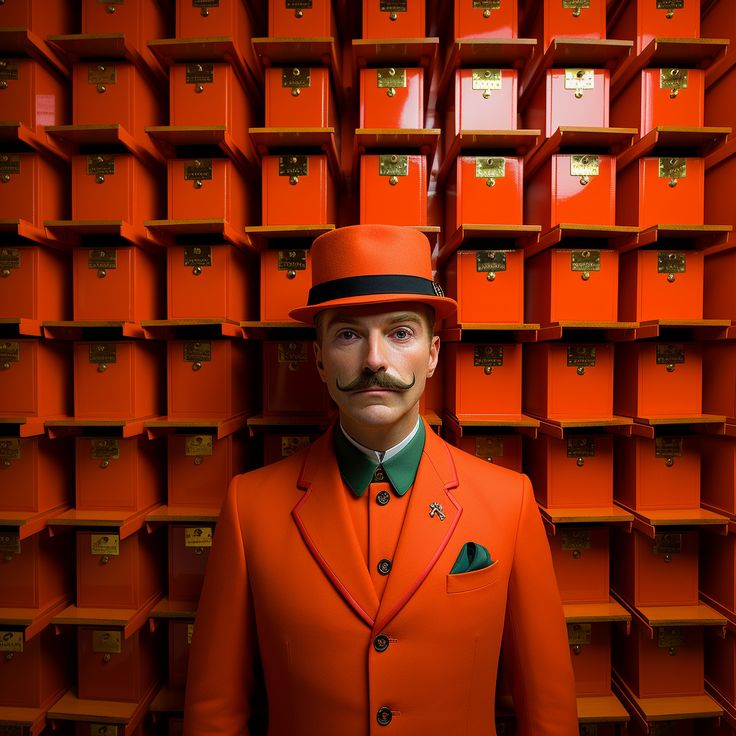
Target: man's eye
x=402, y=334
x=346, y=334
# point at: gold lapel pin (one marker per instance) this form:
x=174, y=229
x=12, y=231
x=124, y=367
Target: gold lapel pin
x=435, y=509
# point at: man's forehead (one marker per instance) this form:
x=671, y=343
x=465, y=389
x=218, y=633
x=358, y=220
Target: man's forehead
x=398, y=312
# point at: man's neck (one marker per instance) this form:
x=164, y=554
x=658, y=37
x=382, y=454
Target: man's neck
x=380, y=437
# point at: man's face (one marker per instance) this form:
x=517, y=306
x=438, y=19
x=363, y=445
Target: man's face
x=375, y=361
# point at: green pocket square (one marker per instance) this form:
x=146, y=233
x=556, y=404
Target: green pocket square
x=473, y=556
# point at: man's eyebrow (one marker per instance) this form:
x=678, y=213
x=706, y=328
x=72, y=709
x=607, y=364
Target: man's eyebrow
x=346, y=319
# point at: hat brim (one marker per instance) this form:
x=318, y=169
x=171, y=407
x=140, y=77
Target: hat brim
x=443, y=306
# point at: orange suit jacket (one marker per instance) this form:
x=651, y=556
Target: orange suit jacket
x=288, y=603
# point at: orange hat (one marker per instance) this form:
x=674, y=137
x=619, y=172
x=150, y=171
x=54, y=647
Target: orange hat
x=372, y=264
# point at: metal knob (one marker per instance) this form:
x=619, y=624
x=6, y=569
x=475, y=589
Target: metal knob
x=672, y=182
x=198, y=88
x=100, y=178
x=291, y=274
x=576, y=649
x=584, y=180
x=669, y=14
x=669, y=462
x=580, y=462
x=581, y=371
x=393, y=16
x=104, y=559
x=490, y=182
x=576, y=13
x=198, y=184
x=393, y=181
x=488, y=370
x=674, y=92
x=197, y=270
x=204, y=12
x=105, y=464
x=197, y=366
x=671, y=277
x=670, y=367
x=5, y=178
x=3, y=84
x=391, y=92
x=199, y=550
x=110, y=9
x=6, y=365
x=293, y=180
x=299, y=13
x=106, y=657
x=585, y=275
x=578, y=94
x=487, y=13
x=668, y=557
x=295, y=92
x=491, y=276
x=101, y=273
x=5, y=273
x=576, y=554
x=102, y=367
x=9, y=656
x=101, y=89
x=6, y=463
x=486, y=94
x=672, y=651
x=198, y=460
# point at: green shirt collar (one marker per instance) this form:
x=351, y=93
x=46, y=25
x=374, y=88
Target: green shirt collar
x=357, y=469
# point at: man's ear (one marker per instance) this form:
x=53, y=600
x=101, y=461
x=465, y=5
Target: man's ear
x=434, y=354
x=318, y=360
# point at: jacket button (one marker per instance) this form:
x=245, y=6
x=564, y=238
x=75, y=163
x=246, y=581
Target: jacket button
x=379, y=475
x=380, y=643
x=384, y=716
x=384, y=566
x=383, y=497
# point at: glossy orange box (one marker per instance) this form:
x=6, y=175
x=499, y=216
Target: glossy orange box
x=663, y=473
x=37, y=672
x=718, y=475
x=571, y=285
x=209, y=188
x=590, y=650
x=484, y=190
x=286, y=277
x=720, y=663
x=658, y=379
x=31, y=94
x=391, y=98
x=567, y=189
x=299, y=93
x=291, y=383
x=393, y=189
x=117, y=283
x=32, y=188
x=653, y=191
x=210, y=281
x=655, y=572
x=118, y=573
x=118, y=474
x=35, y=473
x=35, y=282
x=575, y=472
x=210, y=379
x=35, y=378
x=189, y=550
x=112, y=667
x=483, y=378
x=575, y=97
x=277, y=445
x=117, y=380
x=200, y=466
x=300, y=19
x=665, y=96
x=107, y=186
x=42, y=17
x=394, y=19
x=552, y=20
x=568, y=380
x=580, y=556
x=718, y=569
x=668, y=665
x=488, y=285
x=499, y=449
x=656, y=284
x=180, y=641
x=36, y=571
x=485, y=19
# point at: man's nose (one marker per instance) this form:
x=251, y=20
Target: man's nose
x=375, y=356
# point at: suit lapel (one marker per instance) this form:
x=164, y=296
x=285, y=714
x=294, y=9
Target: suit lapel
x=324, y=522
x=423, y=537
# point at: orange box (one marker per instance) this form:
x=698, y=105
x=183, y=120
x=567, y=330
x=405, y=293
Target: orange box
x=35, y=377
x=485, y=19
x=300, y=19
x=655, y=284
x=35, y=473
x=117, y=283
x=180, y=641
x=668, y=665
x=37, y=570
x=557, y=20
x=118, y=573
x=564, y=380
x=112, y=667
x=391, y=98
x=208, y=188
x=291, y=383
x=117, y=380
x=499, y=449
x=35, y=282
x=484, y=190
x=297, y=190
x=115, y=92
x=36, y=672
x=590, y=649
x=718, y=475
x=393, y=19
x=575, y=472
x=580, y=556
x=42, y=17
x=277, y=446
x=483, y=99
x=663, y=473
x=665, y=96
x=118, y=186
x=718, y=569
x=719, y=378
x=189, y=550
x=299, y=93
x=31, y=94
x=720, y=663
x=658, y=379
x=652, y=191
x=720, y=91
x=577, y=97
x=118, y=474
x=200, y=466
x=32, y=188
x=483, y=379
x=393, y=189
x=211, y=379
x=655, y=572
x=571, y=285
x=286, y=276
x=488, y=285
x=642, y=21
x=572, y=188
x=210, y=281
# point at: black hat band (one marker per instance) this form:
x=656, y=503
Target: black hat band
x=369, y=285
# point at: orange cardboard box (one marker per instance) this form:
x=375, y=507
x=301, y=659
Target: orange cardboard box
x=42, y=17
x=391, y=98
x=580, y=556
x=300, y=19
x=642, y=21
x=302, y=94
x=485, y=19
x=590, y=649
x=394, y=19
x=286, y=276
x=189, y=549
x=393, y=189
x=31, y=94
x=557, y=20
x=718, y=474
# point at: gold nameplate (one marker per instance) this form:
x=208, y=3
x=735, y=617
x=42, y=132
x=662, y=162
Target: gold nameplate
x=489, y=447
x=486, y=79
x=101, y=164
x=292, y=443
x=671, y=262
x=574, y=4
x=197, y=352
x=9, y=352
x=198, y=536
x=668, y=447
x=293, y=165
x=107, y=642
x=107, y=259
x=670, y=637
x=9, y=69
x=673, y=78
x=102, y=74
x=9, y=448
x=580, y=447
x=9, y=258
x=200, y=73
x=105, y=449
x=292, y=260
x=11, y=641
x=10, y=543
x=579, y=634
x=490, y=261
x=584, y=165
x=103, y=352
x=199, y=169
x=103, y=729
x=579, y=79
x=487, y=4
x=198, y=445
x=585, y=260
x=105, y=544
x=490, y=168
x=190, y=631
x=292, y=352
x=580, y=356
x=670, y=4
x=672, y=168
x=393, y=165
x=393, y=6
x=298, y=4
x=670, y=353
x=390, y=78
x=575, y=539
x=669, y=543
x=488, y=355
x=296, y=77
x=198, y=255
x=9, y=163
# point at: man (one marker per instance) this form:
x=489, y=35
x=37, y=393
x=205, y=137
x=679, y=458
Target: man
x=366, y=583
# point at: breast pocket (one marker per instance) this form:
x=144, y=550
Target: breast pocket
x=465, y=582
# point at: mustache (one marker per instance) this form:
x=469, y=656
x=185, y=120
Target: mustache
x=380, y=379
